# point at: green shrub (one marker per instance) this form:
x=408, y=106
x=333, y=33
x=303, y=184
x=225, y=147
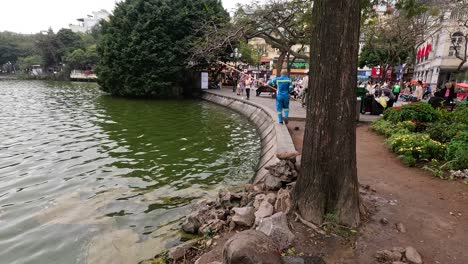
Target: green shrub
x=457, y=151
x=444, y=132
x=408, y=125
x=460, y=115
x=388, y=129
x=416, y=112
x=418, y=146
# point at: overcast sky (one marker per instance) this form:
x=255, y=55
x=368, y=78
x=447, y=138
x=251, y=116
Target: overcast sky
x=32, y=16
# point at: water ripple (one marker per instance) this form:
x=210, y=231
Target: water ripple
x=79, y=169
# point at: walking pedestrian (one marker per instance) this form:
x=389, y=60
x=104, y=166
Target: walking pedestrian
x=248, y=85
x=396, y=91
x=284, y=86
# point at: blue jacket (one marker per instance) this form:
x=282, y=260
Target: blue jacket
x=284, y=85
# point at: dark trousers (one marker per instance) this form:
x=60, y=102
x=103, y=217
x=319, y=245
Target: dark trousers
x=396, y=96
x=247, y=92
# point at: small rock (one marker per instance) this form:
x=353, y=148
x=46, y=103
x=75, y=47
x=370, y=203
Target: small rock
x=244, y=216
x=258, y=188
x=179, y=251
x=399, y=249
x=287, y=155
x=302, y=260
x=191, y=224
x=213, y=226
x=265, y=210
x=283, y=201
x=384, y=221
x=272, y=183
x=232, y=226
x=209, y=242
x=401, y=228
x=271, y=198
x=217, y=237
x=387, y=255
x=276, y=227
x=412, y=256
x=295, y=174
x=250, y=247
x=298, y=163
x=259, y=198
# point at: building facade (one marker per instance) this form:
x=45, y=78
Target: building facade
x=436, y=61
x=85, y=25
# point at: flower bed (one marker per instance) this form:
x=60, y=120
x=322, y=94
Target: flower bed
x=421, y=135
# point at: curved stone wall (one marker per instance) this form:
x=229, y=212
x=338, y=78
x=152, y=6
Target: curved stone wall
x=275, y=138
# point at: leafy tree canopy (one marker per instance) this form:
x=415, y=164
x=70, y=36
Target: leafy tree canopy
x=145, y=46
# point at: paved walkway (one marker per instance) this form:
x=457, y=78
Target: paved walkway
x=296, y=111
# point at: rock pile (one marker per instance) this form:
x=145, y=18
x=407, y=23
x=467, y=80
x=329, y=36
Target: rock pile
x=399, y=255
x=246, y=209
x=262, y=207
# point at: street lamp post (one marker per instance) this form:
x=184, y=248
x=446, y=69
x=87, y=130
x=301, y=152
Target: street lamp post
x=235, y=55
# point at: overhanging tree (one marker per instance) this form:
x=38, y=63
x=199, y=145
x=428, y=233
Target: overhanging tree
x=328, y=182
x=281, y=23
x=145, y=48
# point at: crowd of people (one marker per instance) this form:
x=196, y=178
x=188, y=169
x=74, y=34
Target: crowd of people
x=382, y=95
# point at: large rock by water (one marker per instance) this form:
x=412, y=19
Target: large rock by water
x=191, y=224
x=251, y=247
x=283, y=201
x=244, y=216
x=272, y=183
x=276, y=227
x=264, y=210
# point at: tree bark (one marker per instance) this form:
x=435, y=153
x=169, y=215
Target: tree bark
x=279, y=63
x=328, y=182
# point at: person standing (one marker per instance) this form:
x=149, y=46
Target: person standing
x=248, y=85
x=418, y=93
x=284, y=86
x=241, y=86
x=396, y=91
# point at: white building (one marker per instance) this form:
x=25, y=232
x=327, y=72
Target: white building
x=86, y=24
x=436, y=62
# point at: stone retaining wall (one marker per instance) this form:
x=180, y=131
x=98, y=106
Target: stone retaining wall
x=275, y=138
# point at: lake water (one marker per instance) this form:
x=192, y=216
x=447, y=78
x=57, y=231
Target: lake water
x=88, y=178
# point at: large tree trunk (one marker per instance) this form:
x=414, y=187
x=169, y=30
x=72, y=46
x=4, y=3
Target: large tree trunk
x=328, y=182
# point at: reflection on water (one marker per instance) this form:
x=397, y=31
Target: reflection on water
x=87, y=178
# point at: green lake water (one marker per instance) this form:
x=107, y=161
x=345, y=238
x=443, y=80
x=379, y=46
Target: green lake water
x=88, y=178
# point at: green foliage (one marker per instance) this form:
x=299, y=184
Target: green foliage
x=249, y=54
x=436, y=168
x=27, y=62
x=67, y=42
x=417, y=112
x=457, y=151
x=419, y=147
x=82, y=59
x=144, y=47
x=14, y=46
x=388, y=129
x=332, y=225
x=444, y=132
x=460, y=115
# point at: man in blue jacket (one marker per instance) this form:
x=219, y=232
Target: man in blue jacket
x=284, y=86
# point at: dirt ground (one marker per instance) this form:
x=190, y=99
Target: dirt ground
x=434, y=211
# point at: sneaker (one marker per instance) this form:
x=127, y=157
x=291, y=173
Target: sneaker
x=281, y=123
x=286, y=120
